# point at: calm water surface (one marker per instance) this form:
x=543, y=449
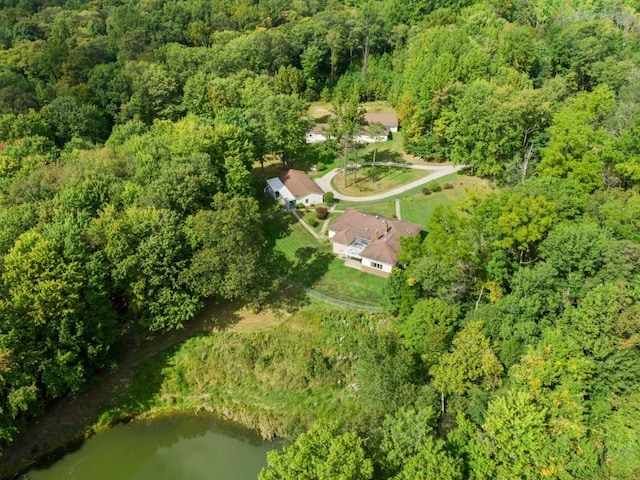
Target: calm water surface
x=176, y=447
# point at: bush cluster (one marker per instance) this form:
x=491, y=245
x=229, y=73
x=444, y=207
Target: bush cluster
x=322, y=213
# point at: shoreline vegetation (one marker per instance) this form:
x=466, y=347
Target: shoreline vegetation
x=135, y=139
x=70, y=421
x=165, y=374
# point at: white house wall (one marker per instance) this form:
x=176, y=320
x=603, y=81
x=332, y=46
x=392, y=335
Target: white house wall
x=386, y=268
x=338, y=248
x=316, y=138
x=310, y=199
x=369, y=139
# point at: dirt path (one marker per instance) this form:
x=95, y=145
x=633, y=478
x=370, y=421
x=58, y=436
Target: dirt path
x=71, y=419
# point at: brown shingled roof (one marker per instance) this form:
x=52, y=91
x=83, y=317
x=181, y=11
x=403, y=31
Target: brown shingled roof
x=344, y=237
x=299, y=183
x=389, y=120
x=383, y=233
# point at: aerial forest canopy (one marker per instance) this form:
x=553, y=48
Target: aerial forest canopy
x=129, y=134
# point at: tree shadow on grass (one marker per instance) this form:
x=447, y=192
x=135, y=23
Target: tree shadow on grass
x=278, y=225
x=313, y=154
x=294, y=276
x=310, y=265
x=383, y=156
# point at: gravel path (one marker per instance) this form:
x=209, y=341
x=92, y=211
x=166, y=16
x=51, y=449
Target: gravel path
x=439, y=171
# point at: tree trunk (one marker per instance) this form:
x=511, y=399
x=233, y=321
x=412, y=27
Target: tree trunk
x=355, y=167
x=365, y=58
x=373, y=164
x=528, y=152
x=346, y=160
x=479, y=297
x=442, y=403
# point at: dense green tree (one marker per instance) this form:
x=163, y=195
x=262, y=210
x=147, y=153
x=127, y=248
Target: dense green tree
x=109, y=87
x=428, y=329
x=470, y=362
x=449, y=258
x=322, y=454
x=129, y=31
x=496, y=129
x=576, y=139
x=155, y=92
x=580, y=48
x=618, y=211
x=57, y=320
x=228, y=249
x=285, y=126
x=70, y=117
x=514, y=441
x=344, y=125
x=146, y=252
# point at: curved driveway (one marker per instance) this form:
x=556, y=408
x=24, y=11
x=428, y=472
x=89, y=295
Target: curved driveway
x=438, y=172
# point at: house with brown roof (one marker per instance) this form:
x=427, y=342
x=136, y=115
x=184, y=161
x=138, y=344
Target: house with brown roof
x=293, y=187
x=371, y=240
x=317, y=134
x=389, y=121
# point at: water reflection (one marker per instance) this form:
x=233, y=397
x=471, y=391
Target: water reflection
x=172, y=447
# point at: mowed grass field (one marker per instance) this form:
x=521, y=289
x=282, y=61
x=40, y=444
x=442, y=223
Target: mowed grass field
x=308, y=262
x=370, y=181
x=418, y=208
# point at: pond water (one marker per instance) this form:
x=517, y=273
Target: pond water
x=172, y=447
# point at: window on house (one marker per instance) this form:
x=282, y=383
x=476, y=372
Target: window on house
x=376, y=265
x=306, y=200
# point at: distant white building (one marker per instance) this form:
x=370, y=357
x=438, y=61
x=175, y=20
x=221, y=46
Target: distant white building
x=293, y=187
x=317, y=134
x=388, y=120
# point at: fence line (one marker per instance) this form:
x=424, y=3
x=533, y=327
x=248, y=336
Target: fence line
x=329, y=299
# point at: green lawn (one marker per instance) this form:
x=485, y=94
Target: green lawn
x=418, y=208
x=309, y=262
x=350, y=285
x=390, y=151
x=385, y=179
x=311, y=217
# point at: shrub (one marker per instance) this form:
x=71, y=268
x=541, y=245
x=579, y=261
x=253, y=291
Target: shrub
x=328, y=198
x=426, y=191
x=300, y=206
x=320, y=166
x=314, y=223
x=322, y=212
x=436, y=187
x=447, y=186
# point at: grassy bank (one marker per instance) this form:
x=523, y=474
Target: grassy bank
x=277, y=381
